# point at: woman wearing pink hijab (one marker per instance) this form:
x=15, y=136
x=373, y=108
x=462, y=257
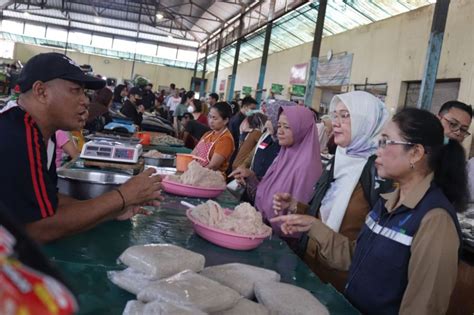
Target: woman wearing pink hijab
x=297, y=166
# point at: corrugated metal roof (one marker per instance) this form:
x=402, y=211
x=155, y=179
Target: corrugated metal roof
x=297, y=27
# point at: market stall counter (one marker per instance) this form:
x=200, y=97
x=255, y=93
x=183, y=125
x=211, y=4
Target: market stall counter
x=85, y=258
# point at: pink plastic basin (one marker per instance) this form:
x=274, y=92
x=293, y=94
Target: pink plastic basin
x=190, y=191
x=224, y=238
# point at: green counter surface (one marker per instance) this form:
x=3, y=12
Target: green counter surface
x=85, y=258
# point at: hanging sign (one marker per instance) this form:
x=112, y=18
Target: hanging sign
x=335, y=71
x=222, y=85
x=298, y=90
x=277, y=88
x=246, y=90
x=298, y=73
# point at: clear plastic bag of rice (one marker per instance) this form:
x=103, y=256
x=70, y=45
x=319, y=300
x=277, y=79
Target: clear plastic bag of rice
x=130, y=280
x=240, y=277
x=245, y=307
x=135, y=307
x=160, y=261
x=165, y=308
x=286, y=299
x=191, y=289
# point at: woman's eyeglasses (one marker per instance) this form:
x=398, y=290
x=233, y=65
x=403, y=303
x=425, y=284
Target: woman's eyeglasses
x=455, y=127
x=341, y=117
x=383, y=142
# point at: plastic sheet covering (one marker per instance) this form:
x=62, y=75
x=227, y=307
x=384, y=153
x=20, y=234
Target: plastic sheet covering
x=165, y=308
x=240, y=277
x=130, y=280
x=246, y=307
x=135, y=307
x=85, y=258
x=190, y=289
x=159, y=261
x=286, y=299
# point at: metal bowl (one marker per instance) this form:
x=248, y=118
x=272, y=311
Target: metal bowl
x=87, y=184
x=166, y=160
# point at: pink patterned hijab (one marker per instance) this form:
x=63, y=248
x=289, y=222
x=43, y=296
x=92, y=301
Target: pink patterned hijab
x=297, y=168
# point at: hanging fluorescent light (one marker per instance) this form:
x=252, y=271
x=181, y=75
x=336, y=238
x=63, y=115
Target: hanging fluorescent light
x=170, y=37
x=159, y=16
x=26, y=13
x=97, y=20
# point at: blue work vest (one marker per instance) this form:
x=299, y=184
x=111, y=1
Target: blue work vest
x=378, y=275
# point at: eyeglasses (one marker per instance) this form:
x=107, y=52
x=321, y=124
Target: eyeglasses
x=342, y=116
x=383, y=142
x=455, y=127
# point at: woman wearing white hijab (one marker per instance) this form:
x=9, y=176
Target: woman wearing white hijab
x=349, y=185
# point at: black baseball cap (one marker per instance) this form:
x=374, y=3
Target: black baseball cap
x=136, y=91
x=49, y=66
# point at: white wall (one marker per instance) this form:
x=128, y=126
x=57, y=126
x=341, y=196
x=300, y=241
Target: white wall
x=115, y=68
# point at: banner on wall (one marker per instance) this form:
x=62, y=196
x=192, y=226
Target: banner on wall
x=222, y=85
x=298, y=73
x=277, y=88
x=246, y=90
x=298, y=90
x=334, y=72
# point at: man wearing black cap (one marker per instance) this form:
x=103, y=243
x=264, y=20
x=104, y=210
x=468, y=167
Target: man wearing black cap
x=133, y=108
x=52, y=98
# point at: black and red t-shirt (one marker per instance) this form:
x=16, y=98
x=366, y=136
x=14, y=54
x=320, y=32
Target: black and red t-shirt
x=28, y=183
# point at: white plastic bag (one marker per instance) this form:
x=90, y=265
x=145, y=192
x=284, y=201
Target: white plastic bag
x=240, y=277
x=245, y=307
x=191, y=289
x=133, y=307
x=161, y=260
x=130, y=280
x=287, y=299
x=165, y=308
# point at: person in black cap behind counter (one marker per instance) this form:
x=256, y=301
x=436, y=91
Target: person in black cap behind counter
x=52, y=98
x=133, y=108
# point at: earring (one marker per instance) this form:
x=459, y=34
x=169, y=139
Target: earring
x=412, y=166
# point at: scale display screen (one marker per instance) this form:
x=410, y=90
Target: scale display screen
x=121, y=153
x=111, y=151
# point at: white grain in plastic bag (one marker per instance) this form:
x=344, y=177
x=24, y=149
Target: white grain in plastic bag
x=165, y=308
x=130, y=280
x=133, y=307
x=286, y=299
x=240, y=277
x=161, y=260
x=245, y=307
x=191, y=289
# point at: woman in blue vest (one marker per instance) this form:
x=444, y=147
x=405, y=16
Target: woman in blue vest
x=405, y=258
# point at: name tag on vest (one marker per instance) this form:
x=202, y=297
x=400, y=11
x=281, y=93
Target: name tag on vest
x=388, y=233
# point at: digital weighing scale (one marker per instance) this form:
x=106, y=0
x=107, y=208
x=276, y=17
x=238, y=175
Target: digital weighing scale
x=112, y=149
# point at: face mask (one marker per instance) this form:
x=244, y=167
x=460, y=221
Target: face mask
x=251, y=112
x=190, y=109
x=446, y=140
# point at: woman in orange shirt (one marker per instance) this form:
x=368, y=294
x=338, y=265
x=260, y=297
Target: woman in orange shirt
x=216, y=146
